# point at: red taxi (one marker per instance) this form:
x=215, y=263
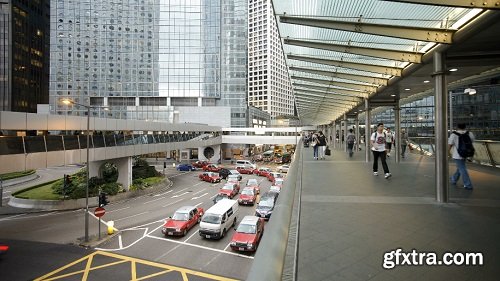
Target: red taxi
x=244, y=170
x=273, y=175
x=248, y=234
x=263, y=172
x=230, y=190
x=182, y=221
x=209, y=177
x=248, y=196
x=212, y=168
x=254, y=183
x=200, y=164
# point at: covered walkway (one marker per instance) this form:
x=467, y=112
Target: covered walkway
x=349, y=218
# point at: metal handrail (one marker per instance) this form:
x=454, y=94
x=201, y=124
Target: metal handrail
x=269, y=260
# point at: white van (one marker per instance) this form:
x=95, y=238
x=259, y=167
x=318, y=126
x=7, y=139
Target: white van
x=246, y=163
x=218, y=219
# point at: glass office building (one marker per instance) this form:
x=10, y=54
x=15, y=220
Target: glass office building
x=144, y=58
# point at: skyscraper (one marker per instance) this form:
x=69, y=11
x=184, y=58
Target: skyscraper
x=24, y=54
x=269, y=85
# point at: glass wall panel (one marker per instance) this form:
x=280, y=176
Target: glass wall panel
x=11, y=145
x=34, y=144
x=71, y=142
x=98, y=141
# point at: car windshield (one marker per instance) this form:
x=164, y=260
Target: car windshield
x=266, y=202
x=275, y=188
x=180, y=216
x=247, y=191
x=227, y=187
x=279, y=180
x=234, y=172
x=246, y=228
x=252, y=182
x=232, y=177
x=211, y=218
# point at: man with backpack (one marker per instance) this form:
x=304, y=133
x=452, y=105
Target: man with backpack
x=461, y=147
x=351, y=139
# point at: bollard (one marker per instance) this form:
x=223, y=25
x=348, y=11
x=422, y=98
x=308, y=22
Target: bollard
x=111, y=225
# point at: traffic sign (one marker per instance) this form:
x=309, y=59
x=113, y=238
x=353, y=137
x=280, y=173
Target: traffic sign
x=99, y=212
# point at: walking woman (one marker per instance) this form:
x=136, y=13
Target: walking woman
x=315, y=145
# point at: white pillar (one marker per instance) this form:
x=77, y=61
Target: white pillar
x=124, y=166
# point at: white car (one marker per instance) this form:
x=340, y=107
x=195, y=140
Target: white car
x=283, y=168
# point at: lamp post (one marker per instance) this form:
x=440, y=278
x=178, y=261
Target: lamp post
x=88, y=107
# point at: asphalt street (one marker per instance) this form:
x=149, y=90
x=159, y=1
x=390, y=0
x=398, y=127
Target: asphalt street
x=139, y=221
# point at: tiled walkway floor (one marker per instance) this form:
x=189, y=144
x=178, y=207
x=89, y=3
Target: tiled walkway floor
x=350, y=218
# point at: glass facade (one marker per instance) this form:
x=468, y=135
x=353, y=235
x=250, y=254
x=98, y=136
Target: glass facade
x=24, y=54
x=234, y=60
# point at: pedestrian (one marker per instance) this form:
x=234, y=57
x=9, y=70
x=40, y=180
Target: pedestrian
x=388, y=141
x=322, y=142
x=337, y=136
x=460, y=160
x=314, y=143
x=378, y=142
x=404, y=142
x=351, y=139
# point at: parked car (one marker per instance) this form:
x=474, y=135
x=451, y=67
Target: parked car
x=248, y=196
x=212, y=168
x=279, y=182
x=200, y=164
x=230, y=189
x=246, y=163
x=235, y=173
x=273, y=175
x=283, y=168
x=209, y=177
x=185, y=167
x=3, y=249
x=182, y=221
x=223, y=173
x=233, y=179
x=219, y=197
x=248, y=234
x=257, y=157
x=254, y=183
x=218, y=219
x=283, y=158
x=275, y=189
x=264, y=171
x=266, y=205
x=244, y=170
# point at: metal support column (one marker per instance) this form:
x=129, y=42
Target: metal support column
x=397, y=131
x=441, y=135
x=334, y=134
x=356, y=123
x=367, y=131
x=345, y=132
x=450, y=95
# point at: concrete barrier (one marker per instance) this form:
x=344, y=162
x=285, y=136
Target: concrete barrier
x=72, y=204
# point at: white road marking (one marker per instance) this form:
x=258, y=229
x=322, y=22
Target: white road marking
x=140, y=226
x=12, y=217
x=7, y=191
x=102, y=221
x=198, y=183
x=214, y=196
x=227, y=246
x=198, y=191
x=132, y=216
x=198, y=197
x=45, y=215
x=147, y=202
x=117, y=209
x=177, y=175
x=173, y=203
x=178, y=191
x=201, y=247
x=179, y=195
x=146, y=234
x=120, y=243
x=161, y=194
x=194, y=233
x=198, y=204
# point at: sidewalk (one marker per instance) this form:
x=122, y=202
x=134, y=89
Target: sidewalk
x=350, y=218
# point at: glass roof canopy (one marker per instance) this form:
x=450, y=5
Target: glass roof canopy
x=337, y=51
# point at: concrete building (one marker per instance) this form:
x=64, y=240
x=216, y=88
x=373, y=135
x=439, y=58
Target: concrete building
x=269, y=84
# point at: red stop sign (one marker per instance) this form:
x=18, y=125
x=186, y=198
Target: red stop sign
x=99, y=212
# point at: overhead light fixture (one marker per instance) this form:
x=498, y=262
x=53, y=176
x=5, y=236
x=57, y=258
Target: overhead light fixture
x=453, y=69
x=393, y=95
x=470, y=91
x=426, y=81
x=407, y=89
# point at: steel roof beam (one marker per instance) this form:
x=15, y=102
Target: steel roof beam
x=327, y=94
x=404, y=56
x=437, y=35
x=316, y=104
x=387, y=70
x=320, y=102
x=484, y=4
x=325, y=99
x=354, y=86
x=354, y=77
x=350, y=93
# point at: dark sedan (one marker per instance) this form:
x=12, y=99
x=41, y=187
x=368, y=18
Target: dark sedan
x=185, y=167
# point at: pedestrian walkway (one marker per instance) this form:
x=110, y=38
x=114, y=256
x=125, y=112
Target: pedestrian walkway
x=350, y=218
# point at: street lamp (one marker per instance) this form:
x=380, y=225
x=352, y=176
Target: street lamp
x=88, y=107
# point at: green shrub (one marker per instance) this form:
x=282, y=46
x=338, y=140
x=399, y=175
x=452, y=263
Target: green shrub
x=111, y=188
x=109, y=172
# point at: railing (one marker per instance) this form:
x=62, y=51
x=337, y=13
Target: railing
x=32, y=144
x=487, y=151
x=269, y=261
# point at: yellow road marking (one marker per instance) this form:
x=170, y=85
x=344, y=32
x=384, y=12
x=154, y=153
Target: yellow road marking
x=133, y=268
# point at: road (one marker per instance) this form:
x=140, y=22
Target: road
x=139, y=221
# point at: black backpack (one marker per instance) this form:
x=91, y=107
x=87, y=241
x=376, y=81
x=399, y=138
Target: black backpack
x=465, y=148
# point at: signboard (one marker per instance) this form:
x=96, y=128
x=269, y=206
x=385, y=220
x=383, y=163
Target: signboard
x=99, y=212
